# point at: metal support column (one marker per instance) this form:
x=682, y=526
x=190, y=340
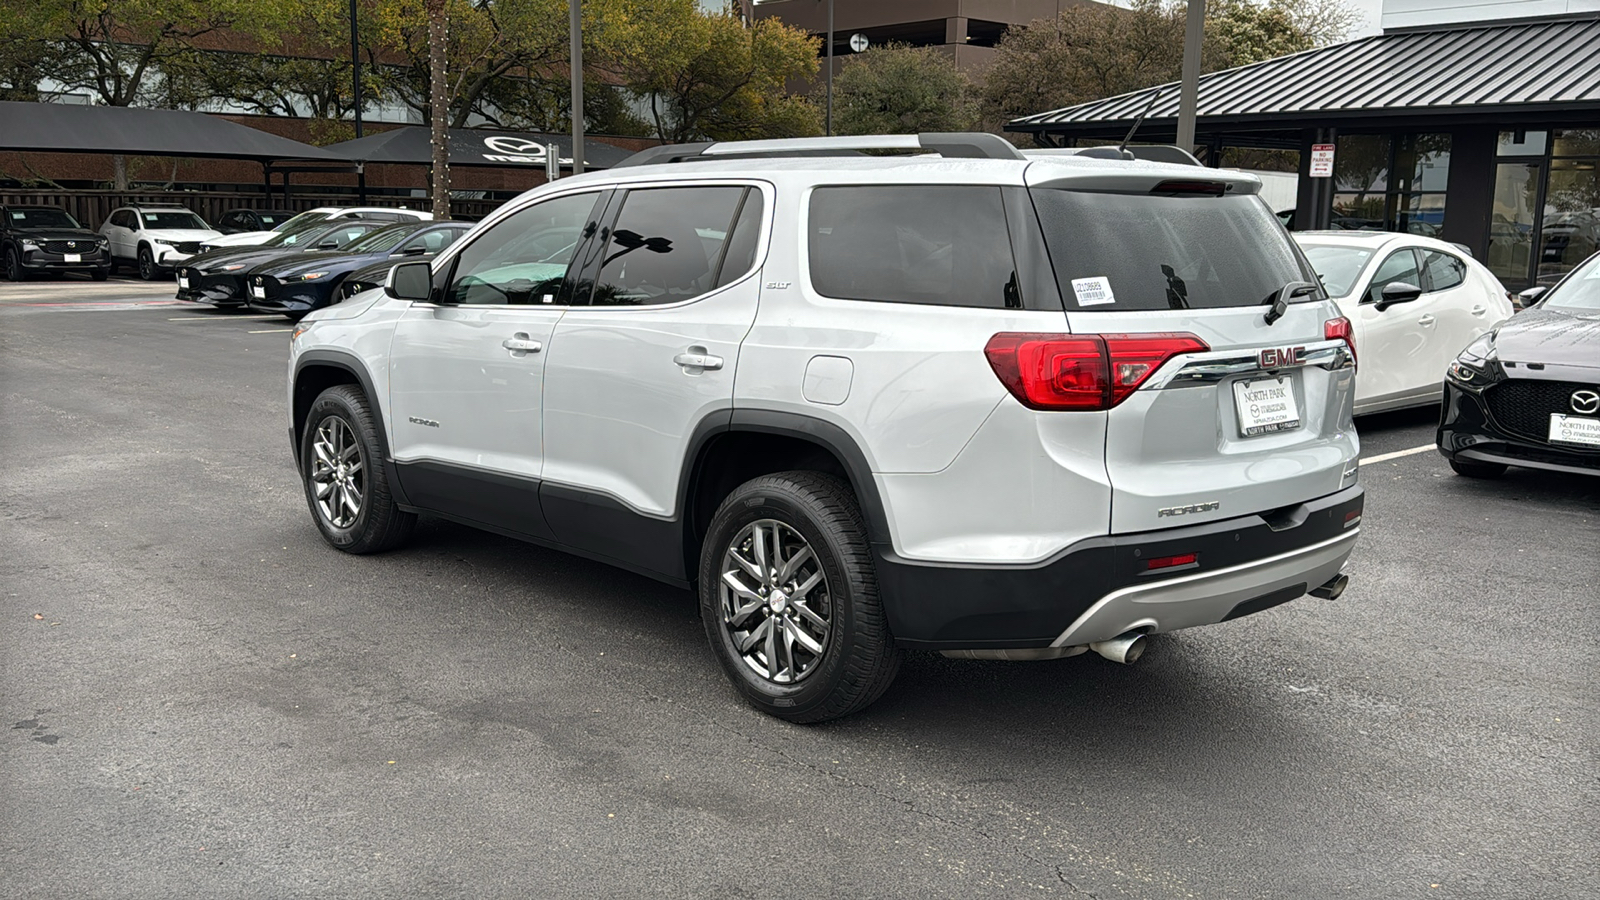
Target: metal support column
x=1189, y=93
x=575, y=28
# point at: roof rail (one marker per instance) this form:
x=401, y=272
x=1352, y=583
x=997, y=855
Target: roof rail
x=953, y=145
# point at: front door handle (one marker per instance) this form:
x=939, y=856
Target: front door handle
x=1479, y=310
x=520, y=344
x=698, y=358
x=1426, y=320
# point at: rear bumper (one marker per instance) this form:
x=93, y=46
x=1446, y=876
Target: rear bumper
x=1468, y=432
x=1101, y=587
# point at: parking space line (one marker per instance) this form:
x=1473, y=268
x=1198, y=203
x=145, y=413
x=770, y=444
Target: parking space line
x=272, y=331
x=1399, y=453
x=222, y=318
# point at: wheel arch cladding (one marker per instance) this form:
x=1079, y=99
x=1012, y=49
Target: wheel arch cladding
x=315, y=372
x=732, y=449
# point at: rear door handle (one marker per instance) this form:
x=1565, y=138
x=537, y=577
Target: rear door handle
x=1426, y=320
x=698, y=358
x=521, y=344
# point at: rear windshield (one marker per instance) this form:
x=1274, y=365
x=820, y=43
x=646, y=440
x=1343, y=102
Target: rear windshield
x=1143, y=251
x=272, y=220
x=1339, y=267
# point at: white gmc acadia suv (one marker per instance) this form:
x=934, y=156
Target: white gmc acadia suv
x=963, y=399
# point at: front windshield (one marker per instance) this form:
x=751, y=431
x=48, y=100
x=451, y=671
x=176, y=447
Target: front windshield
x=42, y=217
x=380, y=240
x=1339, y=267
x=272, y=220
x=1580, y=292
x=174, y=219
x=300, y=237
x=301, y=222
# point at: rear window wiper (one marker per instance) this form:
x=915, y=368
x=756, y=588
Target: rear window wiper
x=1280, y=300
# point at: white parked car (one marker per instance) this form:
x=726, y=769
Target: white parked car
x=313, y=216
x=154, y=239
x=1415, y=303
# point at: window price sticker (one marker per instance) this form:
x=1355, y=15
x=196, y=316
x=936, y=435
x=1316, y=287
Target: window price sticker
x=1093, y=291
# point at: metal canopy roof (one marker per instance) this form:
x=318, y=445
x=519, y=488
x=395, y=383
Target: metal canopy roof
x=473, y=147
x=1507, y=68
x=62, y=128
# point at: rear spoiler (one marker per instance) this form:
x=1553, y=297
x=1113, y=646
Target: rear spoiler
x=1161, y=153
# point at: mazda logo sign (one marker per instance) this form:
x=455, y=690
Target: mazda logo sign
x=1586, y=403
x=514, y=145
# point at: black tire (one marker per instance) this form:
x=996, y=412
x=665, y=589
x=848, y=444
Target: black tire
x=147, y=264
x=111, y=269
x=14, y=266
x=859, y=658
x=100, y=274
x=1478, y=469
x=378, y=524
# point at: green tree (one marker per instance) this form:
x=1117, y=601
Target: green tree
x=712, y=76
x=1094, y=51
x=897, y=89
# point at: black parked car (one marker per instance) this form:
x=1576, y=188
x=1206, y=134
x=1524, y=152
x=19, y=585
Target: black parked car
x=47, y=239
x=296, y=285
x=1528, y=392
x=218, y=276
x=235, y=221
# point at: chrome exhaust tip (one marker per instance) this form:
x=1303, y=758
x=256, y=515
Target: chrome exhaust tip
x=1125, y=648
x=1333, y=588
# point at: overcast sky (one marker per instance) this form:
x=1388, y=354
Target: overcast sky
x=1370, y=11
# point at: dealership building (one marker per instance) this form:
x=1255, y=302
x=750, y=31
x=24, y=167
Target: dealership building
x=1475, y=123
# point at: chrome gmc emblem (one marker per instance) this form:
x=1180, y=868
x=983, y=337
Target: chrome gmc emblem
x=1278, y=357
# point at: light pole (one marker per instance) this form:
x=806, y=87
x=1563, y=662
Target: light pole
x=1189, y=91
x=830, y=68
x=576, y=34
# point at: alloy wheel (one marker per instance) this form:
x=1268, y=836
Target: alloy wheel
x=776, y=605
x=147, y=266
x=338, y=472
x=13, y=266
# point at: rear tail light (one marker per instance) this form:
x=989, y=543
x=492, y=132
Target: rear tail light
x=1081, y=372
x=1340, y=328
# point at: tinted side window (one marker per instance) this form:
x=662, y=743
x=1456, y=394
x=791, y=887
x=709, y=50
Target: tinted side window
x=740, y=255
x=523, y=258
x=1444, y=271
x=935, y=244
x=1399, y=268
x=665, y=245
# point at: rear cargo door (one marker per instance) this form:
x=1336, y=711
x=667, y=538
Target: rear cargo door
x=1261, y=420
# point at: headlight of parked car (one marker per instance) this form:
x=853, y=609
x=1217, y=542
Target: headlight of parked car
x=30, y=243
x=309, y=276
x=1477, y=365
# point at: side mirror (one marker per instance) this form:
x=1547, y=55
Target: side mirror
x=1398, y=292
x=329, y=244
x=412, y=251
x=410, y=281
x=1529, y=297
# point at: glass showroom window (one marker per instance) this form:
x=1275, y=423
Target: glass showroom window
x=1391, y=182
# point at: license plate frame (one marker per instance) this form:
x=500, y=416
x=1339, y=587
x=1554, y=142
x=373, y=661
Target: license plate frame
x=183, y=282
x=1574, y=431
x=258, y=292
x=72, y=257
x=1266, y=405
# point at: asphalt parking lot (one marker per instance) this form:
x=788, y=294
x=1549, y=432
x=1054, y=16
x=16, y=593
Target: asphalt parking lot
x=204, y=700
